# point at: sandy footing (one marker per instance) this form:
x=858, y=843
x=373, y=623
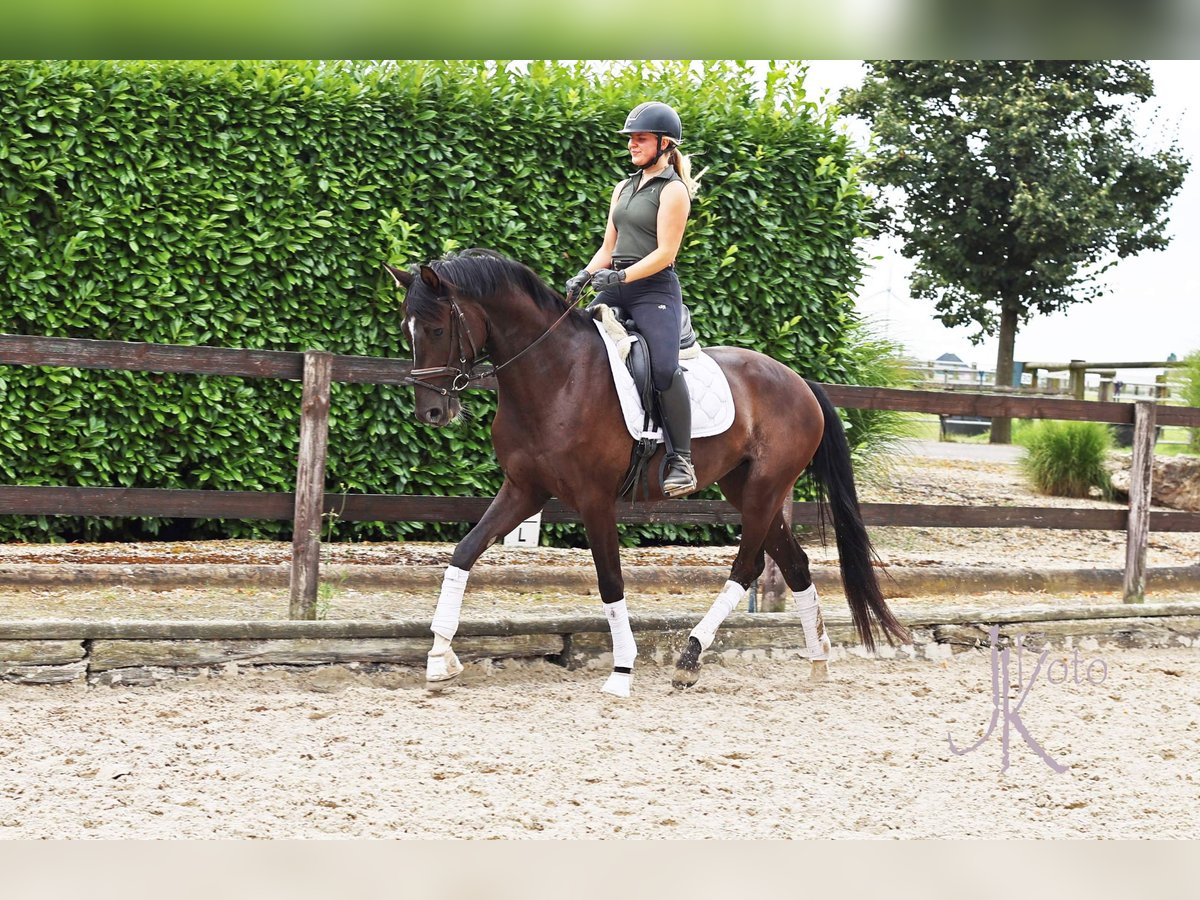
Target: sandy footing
x=754, y=751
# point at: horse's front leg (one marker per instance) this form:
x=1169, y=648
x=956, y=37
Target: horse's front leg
x=751, y=496
x=600, y=520
x=512, y=506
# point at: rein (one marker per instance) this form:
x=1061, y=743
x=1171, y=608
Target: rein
x=465, y=373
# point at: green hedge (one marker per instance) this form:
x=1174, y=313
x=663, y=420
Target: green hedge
x=251, y=204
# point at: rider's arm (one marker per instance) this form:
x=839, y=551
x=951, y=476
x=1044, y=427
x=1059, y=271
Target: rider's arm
x=673, y=207
x=603, y=257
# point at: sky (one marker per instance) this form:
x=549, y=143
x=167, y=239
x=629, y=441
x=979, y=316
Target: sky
x=1153, y=308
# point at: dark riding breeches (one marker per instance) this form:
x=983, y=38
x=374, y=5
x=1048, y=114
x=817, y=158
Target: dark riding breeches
x=656, y=304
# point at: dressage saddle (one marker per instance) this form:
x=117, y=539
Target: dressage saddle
x=687, y=337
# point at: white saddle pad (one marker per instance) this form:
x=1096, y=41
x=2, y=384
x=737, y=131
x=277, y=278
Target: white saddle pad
x=712, y=401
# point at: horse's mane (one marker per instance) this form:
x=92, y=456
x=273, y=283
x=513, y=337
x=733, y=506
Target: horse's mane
x=478, y=274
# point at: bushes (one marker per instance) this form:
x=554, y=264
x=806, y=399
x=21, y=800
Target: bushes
x=1188, y=380
x=250, y=205
x=1067, y=459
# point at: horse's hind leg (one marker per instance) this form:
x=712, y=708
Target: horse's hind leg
x=512, y=506
x=781, y=543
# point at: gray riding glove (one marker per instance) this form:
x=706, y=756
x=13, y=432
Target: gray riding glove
x=607, y=278
x=576, y=284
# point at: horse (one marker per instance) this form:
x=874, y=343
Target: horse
x=557, y=433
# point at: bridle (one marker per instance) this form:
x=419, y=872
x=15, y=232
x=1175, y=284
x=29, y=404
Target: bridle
x=464, y=373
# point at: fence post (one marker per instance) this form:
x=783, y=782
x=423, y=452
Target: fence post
x=310, y=484
x=1078, y=378
x=774, y=589
x=1141, y=472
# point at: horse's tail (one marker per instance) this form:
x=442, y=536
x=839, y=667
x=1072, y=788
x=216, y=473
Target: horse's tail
x=834, y=475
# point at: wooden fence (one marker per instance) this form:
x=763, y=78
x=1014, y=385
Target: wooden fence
x=1077, y=369
x=317, y=370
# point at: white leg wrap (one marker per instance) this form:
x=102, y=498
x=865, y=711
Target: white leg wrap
x=731, y=595
x=624, y=646
x=816, y=640
x=449, y=605
x=624, y=649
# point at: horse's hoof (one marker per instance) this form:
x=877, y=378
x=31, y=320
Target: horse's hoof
x=435, y=687
x=441, y=670
x=618, y=684
x=684, y=679
x=820, y=670
x=687, y=669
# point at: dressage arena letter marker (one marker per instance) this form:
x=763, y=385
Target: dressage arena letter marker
x=527, y=534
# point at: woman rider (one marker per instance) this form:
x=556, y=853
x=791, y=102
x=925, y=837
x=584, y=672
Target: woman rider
x=635, y=269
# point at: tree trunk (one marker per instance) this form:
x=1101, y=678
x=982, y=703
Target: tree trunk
x=1009, y=309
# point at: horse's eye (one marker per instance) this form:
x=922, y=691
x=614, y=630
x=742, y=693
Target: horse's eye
x=437, y=332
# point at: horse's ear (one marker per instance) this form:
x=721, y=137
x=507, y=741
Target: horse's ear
x=431, y=279
x=402, y=277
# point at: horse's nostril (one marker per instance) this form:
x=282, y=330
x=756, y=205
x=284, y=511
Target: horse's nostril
x=434, y=415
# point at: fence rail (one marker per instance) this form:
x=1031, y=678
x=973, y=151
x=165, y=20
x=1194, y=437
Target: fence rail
x=185, y=504
x=81, y=353
x=316, y=370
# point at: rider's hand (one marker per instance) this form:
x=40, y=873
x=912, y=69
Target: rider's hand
x=576, y=284
x=606, y=278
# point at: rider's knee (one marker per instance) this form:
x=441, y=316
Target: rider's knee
x=664, y=375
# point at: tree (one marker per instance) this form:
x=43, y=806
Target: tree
x=1021, y=182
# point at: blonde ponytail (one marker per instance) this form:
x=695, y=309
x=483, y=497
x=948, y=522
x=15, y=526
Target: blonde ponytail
x=683, y=168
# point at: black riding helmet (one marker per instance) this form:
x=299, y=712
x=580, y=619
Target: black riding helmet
x=654, y=118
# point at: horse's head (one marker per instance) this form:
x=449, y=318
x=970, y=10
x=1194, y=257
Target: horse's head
x=447, y=333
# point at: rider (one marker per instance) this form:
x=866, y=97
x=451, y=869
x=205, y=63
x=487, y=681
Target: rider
x=635, y=269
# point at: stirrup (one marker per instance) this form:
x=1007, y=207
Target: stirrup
x=680, y=477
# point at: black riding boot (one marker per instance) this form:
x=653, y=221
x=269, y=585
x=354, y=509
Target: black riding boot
x=675, y=411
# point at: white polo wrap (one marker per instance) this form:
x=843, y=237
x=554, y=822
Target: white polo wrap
x=815, y=639
x=624, y=646
x=731, y=595
x=449, y=605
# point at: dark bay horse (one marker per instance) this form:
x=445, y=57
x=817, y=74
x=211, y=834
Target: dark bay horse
x=559, y=432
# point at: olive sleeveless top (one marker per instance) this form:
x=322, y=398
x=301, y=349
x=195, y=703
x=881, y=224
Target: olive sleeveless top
x=636, y=214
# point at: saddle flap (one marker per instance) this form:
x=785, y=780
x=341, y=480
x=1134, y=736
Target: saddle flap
x=638, y=364
x=687, y=337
